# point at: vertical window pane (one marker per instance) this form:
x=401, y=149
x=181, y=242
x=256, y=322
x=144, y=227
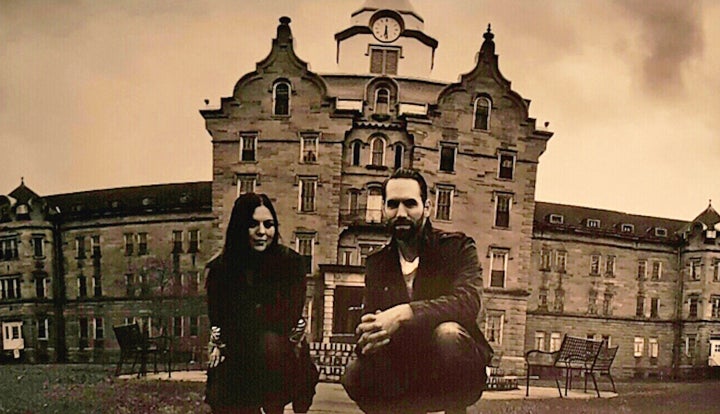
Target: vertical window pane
x=247, y=148
x=507, y=165
x=482, y=114
x=391, y=62
x=399, y=152
x=382, y=101
x=447, y=158
x=497, y=272
x=378, y=152
x=356, y=153
x=502, y=211
x=444, y=202
x=376, y=61
x=282, y=99
x=307, y=195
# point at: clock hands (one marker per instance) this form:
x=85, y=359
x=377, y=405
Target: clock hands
x=386, y=33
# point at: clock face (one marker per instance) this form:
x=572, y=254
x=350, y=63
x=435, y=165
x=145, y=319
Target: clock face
x=386, y=29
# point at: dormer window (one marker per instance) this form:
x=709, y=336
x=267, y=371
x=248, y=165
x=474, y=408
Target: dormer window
x=22, y=210
x=660, y=232
x=593, y=223
x=481, y=118
x=556, y=219
x=281, y=98
x=627, y=228
x=382, y=101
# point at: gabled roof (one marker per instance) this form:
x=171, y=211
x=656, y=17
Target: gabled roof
x=22, y=194
x=709, y=217
x=148, y=199
x=575, y=221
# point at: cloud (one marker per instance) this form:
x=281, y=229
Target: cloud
x=672, y=37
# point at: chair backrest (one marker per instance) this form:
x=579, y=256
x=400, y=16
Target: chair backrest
x=128, y=336
x=605, y=358
x=574, y=350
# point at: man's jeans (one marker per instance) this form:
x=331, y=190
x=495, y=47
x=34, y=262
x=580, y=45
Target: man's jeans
x=414, y=375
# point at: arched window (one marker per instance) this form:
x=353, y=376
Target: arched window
x=382, y=101
x=399, y=154
x=356, y=146
x=378, y=151
x=482, y=113
x=354, y=202
x=373, y=211
x=281, y=98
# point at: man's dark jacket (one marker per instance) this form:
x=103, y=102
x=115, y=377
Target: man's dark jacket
x=447, y=286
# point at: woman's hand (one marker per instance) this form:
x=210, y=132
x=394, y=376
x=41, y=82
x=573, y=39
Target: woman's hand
x=215, y=357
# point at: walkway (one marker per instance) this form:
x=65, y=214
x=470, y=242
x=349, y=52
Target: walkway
x=331, y=398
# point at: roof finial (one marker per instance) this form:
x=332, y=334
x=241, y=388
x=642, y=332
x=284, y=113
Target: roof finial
x=22, y=180
x=488, y=46
x=710, y=202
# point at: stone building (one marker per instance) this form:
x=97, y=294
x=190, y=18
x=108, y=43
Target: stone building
x=320, y=145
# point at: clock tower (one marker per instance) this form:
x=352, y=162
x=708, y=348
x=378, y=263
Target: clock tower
x=386, y=38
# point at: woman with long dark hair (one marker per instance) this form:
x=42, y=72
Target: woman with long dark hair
x=255, y=292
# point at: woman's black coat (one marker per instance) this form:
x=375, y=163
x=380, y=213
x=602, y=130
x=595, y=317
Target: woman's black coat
x=243, y=309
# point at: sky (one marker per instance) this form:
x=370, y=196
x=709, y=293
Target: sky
x=101, y=94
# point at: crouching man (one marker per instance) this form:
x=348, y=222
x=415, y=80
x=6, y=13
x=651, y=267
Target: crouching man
x=419, y=345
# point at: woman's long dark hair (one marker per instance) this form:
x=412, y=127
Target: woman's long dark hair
x=237, y=253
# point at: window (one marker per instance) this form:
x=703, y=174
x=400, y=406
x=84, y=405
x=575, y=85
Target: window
x=98, y=329
x=593, y=223
x=606, y=338
x=194, y=325
x=373, y=213
x=494, y=327
x=653, y=347
x=246, y=183
x=377, y=157
x=347, y=309
x=542, y=299
x=715, y=303
x=716, y=270
x=281, y=99
x=83, y=332
x=693, y=301
x=607, y=303
x=345, y=257
x=129, y=240
x=539, y=340
x=354, y=202
x=561, y=261
x=10, y=287
x=498, y=268
x=399, y=154
x=38, y=246
x=382, y=101
x=305, y=245
x=595, y=264
x=129, y=285
x=545, y=259
x=308, y=187
x=555, y=341
x=356, y=146
x=447, y=157
x=592, y=299
x=178, y=330
x=444, y=203
x=559, y=300
x=43, y=329
x=142, y=244
x=97, y=282
x=610, y=266
x=80, y=247
x=248, y=143
x=642, y=270
x=177, y=238
x=660, y=232
x=627, y=228
x=95, y=246
x=694, y=271
x=556, y=219
x=506, y=166
x=309, y=147
x=640, y=306
x=638, y=346
x=41, y=282
x=690, y=342
x=654, y=307
x=656, y=270
x=82, y=286
x=194, y=239
x=502, y=210
x=384, y=60
x=481, y=119
x=9, y=248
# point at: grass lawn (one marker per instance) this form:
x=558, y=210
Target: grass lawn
x=94, y=389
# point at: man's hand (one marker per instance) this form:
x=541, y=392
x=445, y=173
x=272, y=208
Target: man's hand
x=375, y=330
x=215, y=357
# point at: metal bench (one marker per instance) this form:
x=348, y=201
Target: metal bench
x=601, y=366
x=575, y=354
x=136, y=346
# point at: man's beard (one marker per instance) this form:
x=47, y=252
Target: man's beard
x=405, y=229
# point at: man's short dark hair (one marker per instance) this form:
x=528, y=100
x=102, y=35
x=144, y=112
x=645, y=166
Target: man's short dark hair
x=411, y=174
